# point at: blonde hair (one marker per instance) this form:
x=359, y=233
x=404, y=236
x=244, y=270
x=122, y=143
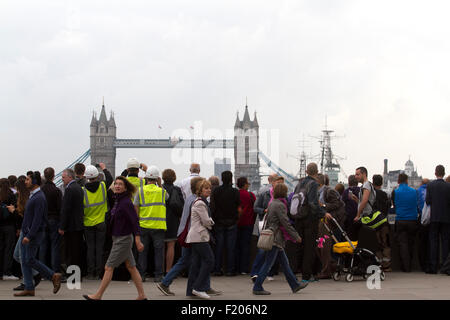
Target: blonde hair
x=202, y=185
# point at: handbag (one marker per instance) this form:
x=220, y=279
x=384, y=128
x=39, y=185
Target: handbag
x=266, y=237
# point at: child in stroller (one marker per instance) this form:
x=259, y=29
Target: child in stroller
x=355, y=257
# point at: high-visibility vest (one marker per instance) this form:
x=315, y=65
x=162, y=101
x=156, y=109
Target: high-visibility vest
x=375, y=220
x=152, y=207
x=137, y=182
x=95, y=205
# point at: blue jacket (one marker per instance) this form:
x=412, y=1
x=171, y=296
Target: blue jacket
x=35, y=216
x=405, y=202
x=421, y=193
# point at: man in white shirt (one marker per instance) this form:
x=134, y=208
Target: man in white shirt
x=185, y=184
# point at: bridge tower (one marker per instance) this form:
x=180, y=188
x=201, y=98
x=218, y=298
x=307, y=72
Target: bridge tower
x=246, y=150
x=103, y=135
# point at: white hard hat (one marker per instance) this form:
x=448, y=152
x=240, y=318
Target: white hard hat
x=152, y=173
x=91, y=172
x=133, y=163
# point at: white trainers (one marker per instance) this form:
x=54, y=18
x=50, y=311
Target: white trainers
x=270, y=278
x=11, y=277
x=200, y=294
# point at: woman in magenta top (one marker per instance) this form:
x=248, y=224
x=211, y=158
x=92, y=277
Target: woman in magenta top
x=124, y=230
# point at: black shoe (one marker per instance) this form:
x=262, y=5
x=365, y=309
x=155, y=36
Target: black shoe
x=301, y=286
x=261, y=293
x=431, y=272
x=87, y=298
x=20, y=287
x=37, y=279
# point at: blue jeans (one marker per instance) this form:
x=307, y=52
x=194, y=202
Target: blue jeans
x=18, y=253
x=202, y=264
x=258, y=263
x=51, y=235
x=157, y=236
x=271, y=257
x=226, y=235
x=244, y=237
x=183, y=262
x=30, y=262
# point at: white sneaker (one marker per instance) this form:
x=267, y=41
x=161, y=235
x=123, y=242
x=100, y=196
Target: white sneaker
x=11, y=277
x=270, y=278
x=200, y=294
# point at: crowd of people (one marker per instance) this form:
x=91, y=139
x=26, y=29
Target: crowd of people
x=141, y=224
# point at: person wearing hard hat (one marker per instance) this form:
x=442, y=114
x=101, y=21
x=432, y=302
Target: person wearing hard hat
x=150, y=204
x=132, y=172
x=95, y=208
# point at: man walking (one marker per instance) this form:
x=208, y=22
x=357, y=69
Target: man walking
x=35, y=220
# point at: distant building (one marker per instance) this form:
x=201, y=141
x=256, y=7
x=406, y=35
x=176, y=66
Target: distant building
x=390, y=178
x=221, y=165
x=246, y=150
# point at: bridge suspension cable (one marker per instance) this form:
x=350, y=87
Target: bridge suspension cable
x=81, y=159
x=289, y=179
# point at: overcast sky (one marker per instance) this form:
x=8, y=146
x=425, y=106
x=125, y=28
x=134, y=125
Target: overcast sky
x=379, y=71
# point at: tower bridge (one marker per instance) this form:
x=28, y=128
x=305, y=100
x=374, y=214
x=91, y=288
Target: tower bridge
x=104, y=144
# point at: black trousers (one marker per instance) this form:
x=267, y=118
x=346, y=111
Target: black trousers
x=405, y=232
x=7, y=245
x=423, y=247
x=73, y=246
x=439, y=238
x=308, y=230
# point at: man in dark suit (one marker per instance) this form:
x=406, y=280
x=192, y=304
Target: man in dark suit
x=72, y=214
x=438, y=197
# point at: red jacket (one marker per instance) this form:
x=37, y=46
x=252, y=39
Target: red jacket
x=248, y=215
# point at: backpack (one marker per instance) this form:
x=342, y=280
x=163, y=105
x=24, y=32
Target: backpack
x=299, y=203
x=376, y=219
x=181, y=239
x=175, y=202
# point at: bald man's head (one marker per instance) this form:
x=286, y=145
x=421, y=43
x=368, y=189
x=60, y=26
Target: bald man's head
x=195, y=168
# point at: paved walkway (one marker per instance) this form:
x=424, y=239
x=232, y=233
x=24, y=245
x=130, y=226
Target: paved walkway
x=396, y=286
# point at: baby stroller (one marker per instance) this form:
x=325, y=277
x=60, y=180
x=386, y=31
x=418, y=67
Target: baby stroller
x=354, y=257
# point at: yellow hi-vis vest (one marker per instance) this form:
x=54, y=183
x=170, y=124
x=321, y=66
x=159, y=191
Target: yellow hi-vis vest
x=152, y=207
x=95, y=206
x=137, y=182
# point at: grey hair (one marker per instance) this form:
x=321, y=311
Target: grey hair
x=70, y=173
